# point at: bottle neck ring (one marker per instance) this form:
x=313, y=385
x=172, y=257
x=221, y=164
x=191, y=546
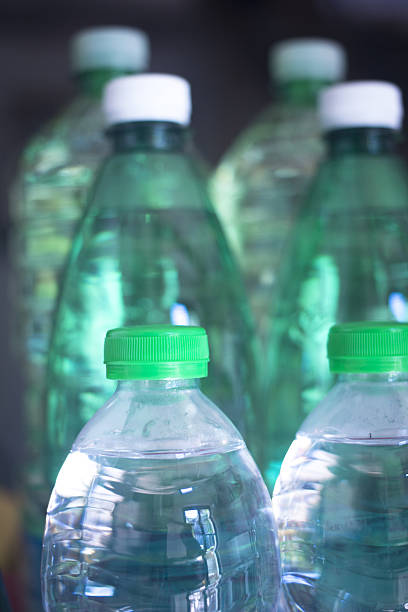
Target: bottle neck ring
x=369, y=140
x=150, y=135
x=374, y=377
x=157, y=386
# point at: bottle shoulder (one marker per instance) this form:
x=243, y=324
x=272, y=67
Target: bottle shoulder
x=173, y=423
x=364, y=411
x=280, y=145
x=152, y=180
x=75, y=136
x=376, y=181
x=348, y=200
x=278, y=125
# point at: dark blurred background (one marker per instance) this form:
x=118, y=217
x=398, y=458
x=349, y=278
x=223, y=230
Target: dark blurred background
x=219, y=45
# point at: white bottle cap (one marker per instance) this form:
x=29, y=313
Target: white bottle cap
x=359, y=104
x=147, y=97
x=110, y=47
x=307, y=58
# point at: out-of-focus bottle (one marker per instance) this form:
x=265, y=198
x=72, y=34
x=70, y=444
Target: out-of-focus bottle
x=348, y=256
x=150, y=250
x=261, y=180
x=48, y=197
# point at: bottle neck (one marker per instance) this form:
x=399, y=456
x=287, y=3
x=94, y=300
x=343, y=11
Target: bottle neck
x=157, y=386
x=300, y=92
x=369, y=140
x=91, y=83
x=374, y=377
x=151, y=135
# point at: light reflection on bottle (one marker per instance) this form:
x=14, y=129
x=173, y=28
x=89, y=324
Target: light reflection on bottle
x=179, y=314
x=203, y=530
x=397, y=303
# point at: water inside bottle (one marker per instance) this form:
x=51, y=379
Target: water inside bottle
x=150, y=532
x=343, y=521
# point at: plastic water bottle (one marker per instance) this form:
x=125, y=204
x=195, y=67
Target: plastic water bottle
x=56, y=170
x=159, y=505
x=261, y=180
x=341, y=498
x=55, y=173
x=348, y=256
x=150, y=250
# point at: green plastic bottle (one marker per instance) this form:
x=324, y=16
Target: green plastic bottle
x=150, y=250
x=159, y=506
x=261, y=180
x=348, y=256
x=56, y=170
x=341, y=498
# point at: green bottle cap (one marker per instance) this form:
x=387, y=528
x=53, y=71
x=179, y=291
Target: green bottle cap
x=152, y=352
x=368, y=347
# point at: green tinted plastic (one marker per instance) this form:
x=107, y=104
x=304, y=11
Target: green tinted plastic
x=345, y=261
x=150, y=250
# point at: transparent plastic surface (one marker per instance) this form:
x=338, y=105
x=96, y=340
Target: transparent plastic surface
x=48, y=197
x=150, y=250
x=346, y=261
x=56, y=170
x=340, y=501
x=159, y=506
x=259, y=185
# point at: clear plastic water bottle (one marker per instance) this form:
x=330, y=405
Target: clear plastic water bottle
x=159, y=506
x=261, y=180
x=55, y=173
x=341, y=498
x=56, y=170
x=150, y=250
x=347, y=259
